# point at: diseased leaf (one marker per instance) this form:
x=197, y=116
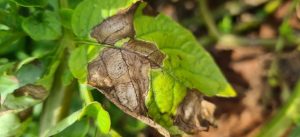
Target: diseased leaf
x=114, y=72
x=194, y=113
x=139, y=73
x=147, y=50
x=89, y=13
x=24, y=97
x=123, y=77
x=115, y=27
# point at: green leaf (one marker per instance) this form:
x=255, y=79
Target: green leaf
x=31, y=3
x=167, y=92
x=43, y=26
x=186, y=62
x=78, y=62
x=79, y=119
x=10, y=41
x=10, y=18
x=80, y=56
x=4, y=68
x=71, y=119
x=78, y=129
x=287, y=31
x=7, y=85
x=24, y=97
x=295, y=132
x=31, y=72
x=154, y=111
x=9, y=124
x=93, y=52
x=89, y=13
x=101, y=116
x=19, y=103
x=226, y=24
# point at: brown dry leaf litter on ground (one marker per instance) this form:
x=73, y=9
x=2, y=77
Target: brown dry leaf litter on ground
x=244, y=115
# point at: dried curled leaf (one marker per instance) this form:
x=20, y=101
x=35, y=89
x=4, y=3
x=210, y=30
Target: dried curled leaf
x=115, y=27
x=35, y=91
x=194, y=113
x=147, y=50
x=122, y=75
x=24, y=97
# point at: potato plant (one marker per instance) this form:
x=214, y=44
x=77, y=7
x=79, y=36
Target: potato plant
x=59, y=57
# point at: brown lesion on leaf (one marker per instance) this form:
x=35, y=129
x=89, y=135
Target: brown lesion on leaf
x=35, y=91
x=123, y=75
x=147, y=50
x=116, y=27
x=195, y=114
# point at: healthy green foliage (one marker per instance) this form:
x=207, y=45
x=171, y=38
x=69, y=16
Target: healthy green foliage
x=32, y=3
x=101, y=116
x=79, y=119
x=187, y=62
x=167, y=92
x=8, y=84
x=43, y=26
x=10, y=123
x=78, y=58
x=295, y=132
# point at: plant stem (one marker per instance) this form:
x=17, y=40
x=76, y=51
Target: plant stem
x=85, y=94
x=207, y=17
x=57, y=105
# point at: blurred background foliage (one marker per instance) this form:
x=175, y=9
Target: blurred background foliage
x=255, y=43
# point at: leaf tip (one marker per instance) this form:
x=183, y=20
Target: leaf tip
x=227, y=92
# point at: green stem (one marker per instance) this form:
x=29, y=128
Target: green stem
x=208, y=18
x=284, y=118
x=63, y=3
x=85, y=94
x=57, y=105
x=251, y=42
